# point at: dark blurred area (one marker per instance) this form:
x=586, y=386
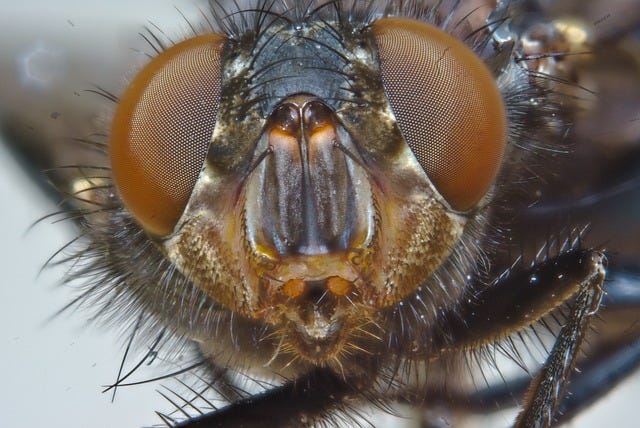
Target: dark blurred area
x=598, y=181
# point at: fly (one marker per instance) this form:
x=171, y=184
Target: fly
x=337, y=198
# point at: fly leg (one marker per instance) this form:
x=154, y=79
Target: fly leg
x=297, y=403
x=546, y=389
x=614, y=346
x=521, y=297
x=597, y=379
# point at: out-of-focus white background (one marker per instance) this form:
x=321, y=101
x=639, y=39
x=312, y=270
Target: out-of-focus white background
x=52, y=370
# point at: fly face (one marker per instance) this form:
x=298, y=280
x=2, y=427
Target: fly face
x=299, y=154
x=321, y=194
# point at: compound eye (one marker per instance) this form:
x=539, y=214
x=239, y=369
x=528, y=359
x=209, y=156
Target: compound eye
x=162, y=128
x=447, y=106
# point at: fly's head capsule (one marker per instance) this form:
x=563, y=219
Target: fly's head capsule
x=311, y=182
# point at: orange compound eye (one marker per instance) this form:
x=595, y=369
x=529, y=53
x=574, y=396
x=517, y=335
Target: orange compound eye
x=447, y=106
x=162, y=128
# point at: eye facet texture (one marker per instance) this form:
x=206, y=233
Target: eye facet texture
x=447, y=105
x=162, y=129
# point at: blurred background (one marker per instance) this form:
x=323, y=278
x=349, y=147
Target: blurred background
x=51, y=53
x=54, y=369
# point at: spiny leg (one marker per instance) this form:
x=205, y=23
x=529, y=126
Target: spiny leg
x=523, y=296
x=614, y=345
x=295, y=404
x=546, y=390
x=597, y=379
